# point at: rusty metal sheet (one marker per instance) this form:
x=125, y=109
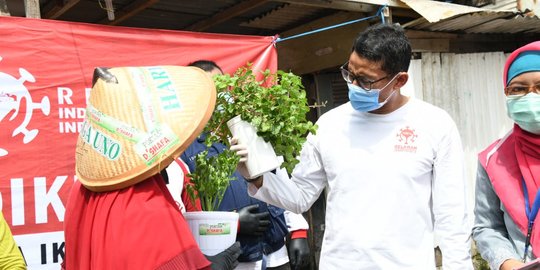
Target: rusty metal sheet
x=447, y=17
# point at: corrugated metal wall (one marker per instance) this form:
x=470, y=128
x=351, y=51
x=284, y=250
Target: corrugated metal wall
x=469, y=87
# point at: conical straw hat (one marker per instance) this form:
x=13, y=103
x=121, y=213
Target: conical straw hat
x=138, y=120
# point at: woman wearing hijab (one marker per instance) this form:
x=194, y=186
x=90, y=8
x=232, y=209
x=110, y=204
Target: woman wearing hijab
x=508, y=178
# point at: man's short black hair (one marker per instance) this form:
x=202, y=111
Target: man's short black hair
x=205, y=65
x=385, y=44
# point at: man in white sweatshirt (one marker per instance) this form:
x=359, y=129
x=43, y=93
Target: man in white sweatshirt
x=392, y=166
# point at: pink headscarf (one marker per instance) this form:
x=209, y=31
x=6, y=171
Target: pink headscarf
x=534, y=46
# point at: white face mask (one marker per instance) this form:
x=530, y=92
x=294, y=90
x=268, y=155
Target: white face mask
x=525, y=111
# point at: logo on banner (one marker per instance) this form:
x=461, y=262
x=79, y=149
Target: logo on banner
x=406, y=138
x=12, y=94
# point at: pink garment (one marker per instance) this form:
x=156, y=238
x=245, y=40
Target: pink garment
x=518, y=156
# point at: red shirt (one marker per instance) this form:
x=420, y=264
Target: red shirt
x=139, y=227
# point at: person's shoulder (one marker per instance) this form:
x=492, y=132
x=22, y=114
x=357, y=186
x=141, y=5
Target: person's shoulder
x=430, y=111
x=506, y=143
x=193, y=149
x=426, y=106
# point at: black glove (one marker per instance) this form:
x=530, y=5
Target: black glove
x=252, y=222
x=298, y=253
x=227, y=259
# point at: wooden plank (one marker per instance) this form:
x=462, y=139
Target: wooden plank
x=31, y=8
x=339, y=5
x=353, y=6
x=424, y=41
x=129, y=11
x=60, y=8
x=430, y=45
x=426, y=34
x=390, y=3
x=407, y=13
x=4, y=11
x=387, y=14
x=226, y=14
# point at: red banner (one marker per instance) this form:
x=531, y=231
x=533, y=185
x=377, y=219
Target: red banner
x=46, y=72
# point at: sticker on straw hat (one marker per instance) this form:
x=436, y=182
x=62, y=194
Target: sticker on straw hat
x=100, y=142
x=167, y=92
x=145, y=97
x=113, y=125
x=163, y=84
x=155, y=144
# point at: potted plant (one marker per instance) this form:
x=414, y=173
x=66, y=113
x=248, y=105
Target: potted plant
x=213, y=230
x=274, y=108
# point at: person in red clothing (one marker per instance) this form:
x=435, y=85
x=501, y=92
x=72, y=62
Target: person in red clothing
x=119, y=214
x=138, y=227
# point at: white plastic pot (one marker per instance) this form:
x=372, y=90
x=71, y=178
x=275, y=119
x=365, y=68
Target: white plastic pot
x=262, y=157
x=214, y=231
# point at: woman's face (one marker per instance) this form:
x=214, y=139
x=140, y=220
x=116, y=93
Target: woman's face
x=523, y=84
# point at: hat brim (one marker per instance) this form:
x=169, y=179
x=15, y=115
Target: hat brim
x=140, y=123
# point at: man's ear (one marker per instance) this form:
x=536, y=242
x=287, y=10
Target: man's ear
x=402, y=79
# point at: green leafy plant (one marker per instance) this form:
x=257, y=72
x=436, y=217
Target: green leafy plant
x=211, y=178
x=275, y=104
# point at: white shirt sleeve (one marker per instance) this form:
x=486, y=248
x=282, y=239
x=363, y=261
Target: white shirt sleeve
x=302, y=190
x=450, y=210
x=295, y=221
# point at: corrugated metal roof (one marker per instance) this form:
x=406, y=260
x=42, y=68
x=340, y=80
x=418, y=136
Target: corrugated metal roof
x=503, y=5
x=275, y=18
x=270, y=17
x=446, y=17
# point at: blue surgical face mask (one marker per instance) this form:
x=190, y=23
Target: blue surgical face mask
x=367, y=101
x=525, y=111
